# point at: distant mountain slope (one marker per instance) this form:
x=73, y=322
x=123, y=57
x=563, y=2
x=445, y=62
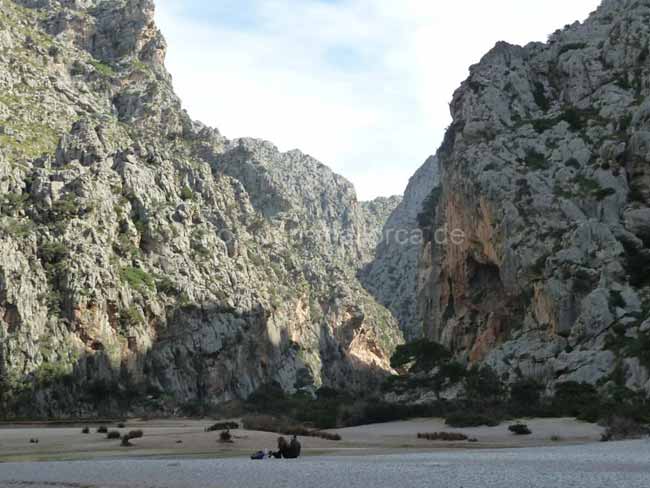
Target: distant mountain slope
x=392, y=276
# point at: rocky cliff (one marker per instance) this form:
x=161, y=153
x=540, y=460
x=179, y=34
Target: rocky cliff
x=546, y=171
x=392, y=275
x=144, y=258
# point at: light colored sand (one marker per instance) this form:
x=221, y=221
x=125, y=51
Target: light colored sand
x=161, y=440
x=570, y=431
x=611, y=465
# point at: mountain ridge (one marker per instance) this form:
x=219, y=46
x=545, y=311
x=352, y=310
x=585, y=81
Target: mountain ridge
x=148, y=263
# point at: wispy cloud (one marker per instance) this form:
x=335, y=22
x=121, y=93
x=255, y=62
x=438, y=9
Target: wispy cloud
x=362, y=85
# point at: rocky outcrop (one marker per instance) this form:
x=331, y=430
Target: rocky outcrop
x=544, y=173
x=392, y=275
x=376, y=214
x=146, y=260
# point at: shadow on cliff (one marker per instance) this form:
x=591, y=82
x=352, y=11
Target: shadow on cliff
x=208, y=355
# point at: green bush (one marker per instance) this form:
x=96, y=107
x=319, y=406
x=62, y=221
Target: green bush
x=535, y=160
x=640, y=349
x=483, y=385
x=637, y=262
x=280, y=425
x=591, y=187
x=539, y=93
x=520, y=429
x=424, y=354
x=99, y=391
x=448, y=374
x=459, y=420
x=113, y=434
x=443, y=436
x=102, y=68
x=616, y=299
x=102, y=429
x=66, y=208
x=53, y=252
x=12, y=202
x=131, y=317
x=580, y=400
x=222, y=426
x=621, y=428
x=328, y=436
x=167, y=286
x=525, y=394
x=137, y=279
x=578, y=119
x=542, y=125
x=187, y=194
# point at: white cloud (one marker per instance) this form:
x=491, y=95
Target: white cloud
x=362, y=85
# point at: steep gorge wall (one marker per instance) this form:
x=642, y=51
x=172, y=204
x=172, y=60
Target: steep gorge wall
x=545, y=169
x=392, y=275
x=143, y=256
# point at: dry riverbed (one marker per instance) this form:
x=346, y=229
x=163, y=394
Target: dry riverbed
x=188, y=439
x=596, y=465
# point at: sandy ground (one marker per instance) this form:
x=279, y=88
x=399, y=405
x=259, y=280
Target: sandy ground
x=596, y=465
x=187, y=439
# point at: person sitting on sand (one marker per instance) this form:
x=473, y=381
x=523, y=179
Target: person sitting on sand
x=283, y=448
x=295, y=447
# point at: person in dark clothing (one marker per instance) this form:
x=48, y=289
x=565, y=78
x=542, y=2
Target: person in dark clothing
x=295, y=447
x=287, y=450
x=283, y=447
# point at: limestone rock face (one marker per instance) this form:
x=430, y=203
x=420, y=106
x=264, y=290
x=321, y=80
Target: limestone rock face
x=143, y=255
x=545, y=170
x=392, y=275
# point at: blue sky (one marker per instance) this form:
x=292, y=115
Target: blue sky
x=362, y=85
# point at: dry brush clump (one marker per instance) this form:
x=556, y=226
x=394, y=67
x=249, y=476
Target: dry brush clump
x=460, y=420
x=135, y=434
x=520, y=429
x=443, y=436
x=621, y=428
x=113, y=434
x=222, y=426
x=226, y=437
x=268, y=423
x=327, y=436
